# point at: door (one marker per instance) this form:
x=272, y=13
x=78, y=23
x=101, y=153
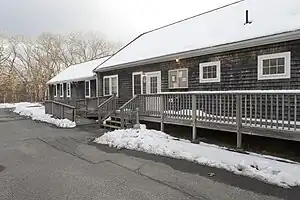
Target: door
x=153, y=86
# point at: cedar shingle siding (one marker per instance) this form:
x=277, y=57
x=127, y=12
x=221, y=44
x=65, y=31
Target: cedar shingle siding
x=238, y=71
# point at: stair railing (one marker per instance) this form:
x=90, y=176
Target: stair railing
x=107, y=108
x=129, y=111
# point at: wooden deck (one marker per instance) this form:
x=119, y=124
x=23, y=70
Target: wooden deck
x=263, y=113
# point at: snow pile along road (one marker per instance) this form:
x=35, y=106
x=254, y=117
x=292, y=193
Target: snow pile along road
x=253, y=165
x=37, y=112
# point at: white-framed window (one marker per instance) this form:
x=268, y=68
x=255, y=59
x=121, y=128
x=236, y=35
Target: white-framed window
x=61, y=90
x=87, y=87
x=178, y=78
x=137, y=83
x=110, y=85
x=274, y=66
x=55, y=90
x=68, y=89
x=210, y=72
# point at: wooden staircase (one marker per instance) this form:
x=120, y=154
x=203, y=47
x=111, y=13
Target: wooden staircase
x=114, y=123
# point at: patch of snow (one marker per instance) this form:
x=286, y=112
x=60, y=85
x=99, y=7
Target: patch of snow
x=253, y=165
x=36, y=111
x=78, y=72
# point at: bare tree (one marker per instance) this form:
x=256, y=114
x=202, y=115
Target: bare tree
x=26, y=64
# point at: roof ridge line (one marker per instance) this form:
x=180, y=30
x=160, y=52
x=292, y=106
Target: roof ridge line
x=206, y=12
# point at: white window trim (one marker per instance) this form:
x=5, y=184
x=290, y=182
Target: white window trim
x=210, y=80
x=110, y=84
x=142, y=86
x=287, y=66
x=62, y=90
x=69, y=88
x=88, y=81
x=56, y=89
x=177, y=70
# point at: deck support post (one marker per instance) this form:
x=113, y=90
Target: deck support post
x=137, y=116
x=162, y=114
x=86, y=107
x=51, y=107
x=122, y=118
x=74, y=115
x=194, y=117
x=239, y=121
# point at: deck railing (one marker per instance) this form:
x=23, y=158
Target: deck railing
x=106, y=108
x=272, y=110
x=89, y=105
x=128, y=111
x=60, y=110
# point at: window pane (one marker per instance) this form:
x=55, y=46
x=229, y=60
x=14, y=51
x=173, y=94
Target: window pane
x=205, y=75
x=280, y=61
x=273, y=70
x=273, y=62
x=153, y=85
x=266, y=63
x=280, y=69
x=205, y=69
x=87, y=88
x=137, y=84
x=214, y=74
x=183, y=81
x=106, y=86
x=114, y=87
x=265, y=70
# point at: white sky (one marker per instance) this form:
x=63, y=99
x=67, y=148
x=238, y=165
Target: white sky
x=118, y=20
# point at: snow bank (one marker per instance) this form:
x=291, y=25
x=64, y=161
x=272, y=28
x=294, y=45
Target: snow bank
x=37, y=112
x=253, y=165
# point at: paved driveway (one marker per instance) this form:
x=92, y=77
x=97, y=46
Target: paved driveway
x=39, y=161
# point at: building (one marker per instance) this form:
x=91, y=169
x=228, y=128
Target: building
x=239, y=51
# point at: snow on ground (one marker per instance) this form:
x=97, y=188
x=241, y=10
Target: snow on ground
x=37, y=112
x=264, y=168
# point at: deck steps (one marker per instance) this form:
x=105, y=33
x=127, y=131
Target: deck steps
x=113, y=123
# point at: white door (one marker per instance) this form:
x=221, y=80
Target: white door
x=153, y=86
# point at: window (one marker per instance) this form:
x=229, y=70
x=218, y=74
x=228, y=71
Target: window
x=178, y=78
x=110, y=85
x=87, y=88
x=61, y=90
x=210, y=72
x=137, y=83
x=274, y=66
x=68, y=89
x=55, y=90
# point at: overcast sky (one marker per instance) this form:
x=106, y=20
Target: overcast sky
x=118, y=20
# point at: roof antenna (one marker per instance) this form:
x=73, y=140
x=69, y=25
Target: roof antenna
x=247, y=18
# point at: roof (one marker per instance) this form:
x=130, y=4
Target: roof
x=222, y=26
x=78, y=72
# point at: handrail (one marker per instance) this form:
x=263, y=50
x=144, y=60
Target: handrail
x=108, y=107
x=128, y=102
x=59, y=103
x=105, y=101
x=232, y=92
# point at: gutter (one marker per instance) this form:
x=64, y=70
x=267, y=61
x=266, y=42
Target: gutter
x=265, y=40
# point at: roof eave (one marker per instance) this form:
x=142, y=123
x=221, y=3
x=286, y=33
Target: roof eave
x=276, y=38
x=71, y=80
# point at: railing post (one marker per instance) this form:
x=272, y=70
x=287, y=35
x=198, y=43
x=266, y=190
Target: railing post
x=122, y=118
x=74, y=115
x=194, y=116
x=162, y=113
x=137, y=116
x=52, y=108
x=239, y=121
x=86, y=107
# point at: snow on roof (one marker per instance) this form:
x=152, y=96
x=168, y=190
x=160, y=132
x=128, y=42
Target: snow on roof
x=78, y=72
x=218, y=27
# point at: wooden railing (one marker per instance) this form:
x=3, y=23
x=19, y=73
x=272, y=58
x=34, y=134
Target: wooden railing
x=60, y=110
x=107, y=108
x=272, y=110
x=89, y=105
x=128, y=111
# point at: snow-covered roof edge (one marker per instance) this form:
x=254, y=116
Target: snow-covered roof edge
x=82, y=76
